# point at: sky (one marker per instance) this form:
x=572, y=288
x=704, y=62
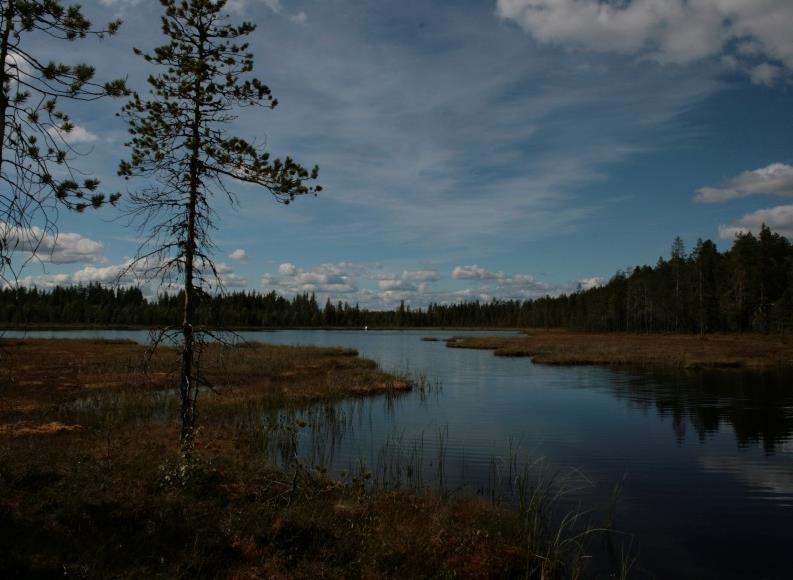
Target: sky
x=468, y=150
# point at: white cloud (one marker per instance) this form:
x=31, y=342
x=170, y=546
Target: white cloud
x=354, y=283
x=63, y=248
x=275, y=6
x=104, y=275
x=228, y=278
x=775, y=179
x=673, y=31
x=45, y=281
x=325, y=279
x=239, y=254
x=75, y=136
x=287, y=269
x=765, y=74
x=589, y=283
x=132, y=273
x=474, y=272
x=779, y=219
x=525, y=282
x=520, y=283
x=126, y=273
x=407, y=278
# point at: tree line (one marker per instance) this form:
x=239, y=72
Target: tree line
x=746, y=288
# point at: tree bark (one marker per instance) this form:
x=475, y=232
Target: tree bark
x=8, y=23
x=189, y=386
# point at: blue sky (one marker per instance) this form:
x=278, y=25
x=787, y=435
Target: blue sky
x=472, y=149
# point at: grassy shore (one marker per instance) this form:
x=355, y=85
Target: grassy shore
x=661, y=350
x=91, y=484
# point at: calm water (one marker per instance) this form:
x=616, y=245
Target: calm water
x=705, y=459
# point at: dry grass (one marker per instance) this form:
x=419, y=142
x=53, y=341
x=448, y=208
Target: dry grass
x=38, y=375
x=660, y=350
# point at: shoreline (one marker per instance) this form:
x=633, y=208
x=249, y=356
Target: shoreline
x=685, y=351
x=67, y=327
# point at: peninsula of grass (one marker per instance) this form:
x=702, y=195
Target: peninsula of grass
x=92, y=484
x=560, y=347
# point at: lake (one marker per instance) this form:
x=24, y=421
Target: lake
x=704, y=459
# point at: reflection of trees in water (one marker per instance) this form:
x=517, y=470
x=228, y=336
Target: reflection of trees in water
x=758, y=405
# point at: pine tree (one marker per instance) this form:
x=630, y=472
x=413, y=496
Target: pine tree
x=36, y=160
x=677, y=261
x=179, y=140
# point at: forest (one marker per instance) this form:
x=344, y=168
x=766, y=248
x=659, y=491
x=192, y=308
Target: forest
x=746, y=288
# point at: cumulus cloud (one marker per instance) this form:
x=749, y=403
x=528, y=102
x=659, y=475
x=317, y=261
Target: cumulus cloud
x=75, y=136
x=325, y=279
x=396, y=284
x=239, y=254
x=671, y=31
x=287, y=269
x=520, y=283
x=408, y=281
x=779, y=219
x=133, y=273
x=63, y=248
x=125, y=273
x=474, y=272
x=228, y=278
x=526, y=283
x=775, y=179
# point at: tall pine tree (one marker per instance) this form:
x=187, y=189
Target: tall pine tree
x=179, y=140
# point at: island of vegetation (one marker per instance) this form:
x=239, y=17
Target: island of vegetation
x=687, y=351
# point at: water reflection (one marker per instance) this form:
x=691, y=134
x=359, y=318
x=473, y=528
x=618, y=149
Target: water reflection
x=758, y=406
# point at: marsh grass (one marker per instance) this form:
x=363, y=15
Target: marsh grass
x=92, y=483
x=652, y=350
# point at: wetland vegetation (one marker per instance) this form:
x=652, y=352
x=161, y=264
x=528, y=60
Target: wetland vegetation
x=688, y=351
x=93, y=484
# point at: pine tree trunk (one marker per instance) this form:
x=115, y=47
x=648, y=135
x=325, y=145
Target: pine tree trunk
x=8, y=23
x=188, y=386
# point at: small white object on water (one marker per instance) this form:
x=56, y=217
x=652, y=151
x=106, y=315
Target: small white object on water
x=366, y=328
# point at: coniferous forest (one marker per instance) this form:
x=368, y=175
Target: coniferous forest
x=746, y=288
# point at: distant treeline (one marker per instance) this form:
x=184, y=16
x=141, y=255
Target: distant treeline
x=747, y=288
